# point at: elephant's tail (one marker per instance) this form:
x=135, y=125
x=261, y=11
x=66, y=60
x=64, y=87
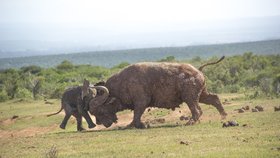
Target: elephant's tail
x=56, y=112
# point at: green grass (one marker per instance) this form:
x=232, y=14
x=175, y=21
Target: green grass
x=259, y=138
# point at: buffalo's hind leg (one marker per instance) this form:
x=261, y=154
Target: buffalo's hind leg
x=212, y=99
x=190, y=96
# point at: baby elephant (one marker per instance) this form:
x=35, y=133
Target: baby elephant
x=75, y=102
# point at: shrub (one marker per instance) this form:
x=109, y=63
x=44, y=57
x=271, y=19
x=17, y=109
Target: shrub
x=3, y=96
x=65, y=65
x=168, y=59
x=23, y=93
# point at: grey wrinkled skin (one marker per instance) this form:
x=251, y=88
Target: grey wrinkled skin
x=75, y=101
x=163, y=85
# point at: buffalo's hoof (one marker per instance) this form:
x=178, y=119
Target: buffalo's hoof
x=223, y=115
x=190, y=122
x=91, y=126
x=139, y=125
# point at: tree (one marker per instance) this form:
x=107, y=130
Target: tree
x=65, y=65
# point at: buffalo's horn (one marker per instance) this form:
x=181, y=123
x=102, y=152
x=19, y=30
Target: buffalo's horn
x=99, y=100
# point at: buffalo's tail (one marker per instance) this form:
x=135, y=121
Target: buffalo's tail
x=55, y=113
x=212, y=63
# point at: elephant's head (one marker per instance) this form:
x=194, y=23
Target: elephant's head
x=88, y=93
x=104, y=107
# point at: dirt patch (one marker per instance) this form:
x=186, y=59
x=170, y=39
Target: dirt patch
x=28, y=132
x=155, y=121
x=7, y=122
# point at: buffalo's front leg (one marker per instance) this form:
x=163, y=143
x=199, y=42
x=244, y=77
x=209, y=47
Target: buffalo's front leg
x=196, y=112
x=138, y=111
x=140, y=101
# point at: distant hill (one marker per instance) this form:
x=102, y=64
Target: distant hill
x=112, y=58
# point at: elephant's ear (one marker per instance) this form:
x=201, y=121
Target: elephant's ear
x=85, y=88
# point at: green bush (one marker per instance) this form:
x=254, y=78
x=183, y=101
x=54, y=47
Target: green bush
x=168, y=59
x=23, y=93
x=3, y=96
x=253, y=75
x=232, y=88
x=65, y=65
x=57, y=93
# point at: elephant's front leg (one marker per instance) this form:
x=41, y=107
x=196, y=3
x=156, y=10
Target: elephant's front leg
x=79, y=121
x=86, y=116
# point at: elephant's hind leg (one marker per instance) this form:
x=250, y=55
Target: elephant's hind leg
x=68, y=113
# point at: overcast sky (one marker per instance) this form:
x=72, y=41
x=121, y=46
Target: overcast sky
x=66, y=20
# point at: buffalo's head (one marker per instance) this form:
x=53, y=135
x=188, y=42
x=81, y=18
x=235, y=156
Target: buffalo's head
x=104, y=107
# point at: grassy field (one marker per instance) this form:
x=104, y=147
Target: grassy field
x=32, y=134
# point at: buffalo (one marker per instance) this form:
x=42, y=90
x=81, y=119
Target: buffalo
x=153, y=84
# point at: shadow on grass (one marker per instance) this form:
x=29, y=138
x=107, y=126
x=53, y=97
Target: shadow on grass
x=120, y=129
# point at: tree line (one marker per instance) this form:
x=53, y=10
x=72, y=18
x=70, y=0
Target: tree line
x=251, y=74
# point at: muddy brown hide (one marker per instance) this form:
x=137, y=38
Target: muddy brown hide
x=163, y=85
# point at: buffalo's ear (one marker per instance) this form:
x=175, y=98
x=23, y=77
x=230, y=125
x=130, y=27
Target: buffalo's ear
x=85, y=88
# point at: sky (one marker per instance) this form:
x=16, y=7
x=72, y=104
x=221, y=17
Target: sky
x=125, y=22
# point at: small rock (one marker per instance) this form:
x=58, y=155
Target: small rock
x=14, y=117
x=230, y=124
x=276, y=148
x=184, y=118
x=260, y=108
x=245, y=140
x=245, y=125
x=160, y=120
x=246, y=108
x=241, y=110
x=255, y=110
x=276, y=108
x=233, y=123
x=184, y=142
x=225, y=124
x=47, y=102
